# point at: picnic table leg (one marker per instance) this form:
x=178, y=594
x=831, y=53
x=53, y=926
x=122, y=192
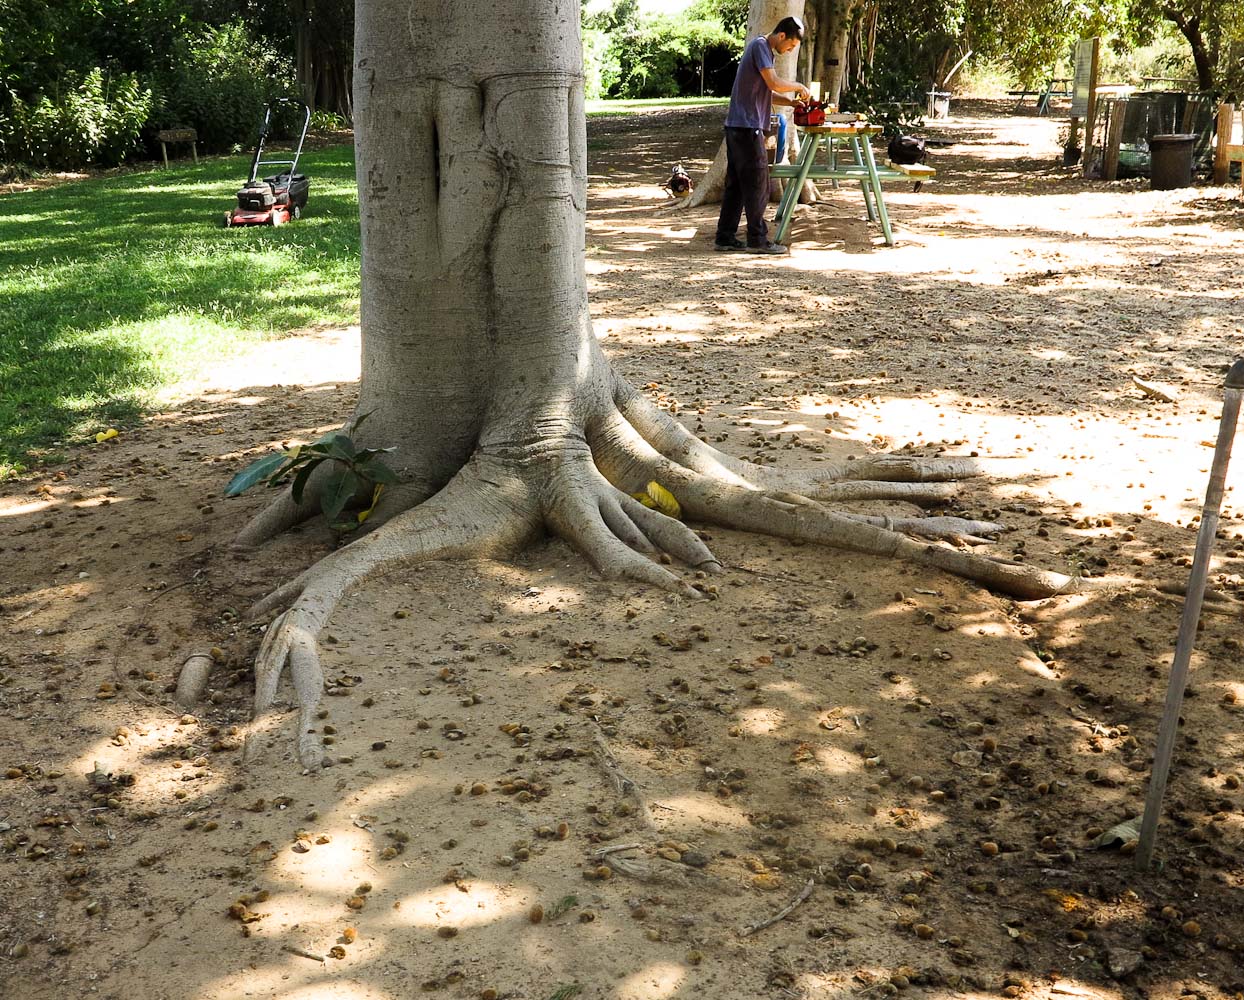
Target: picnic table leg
x=1043, y=105
x=864, y=183
x=876, y=183
x=790, y=197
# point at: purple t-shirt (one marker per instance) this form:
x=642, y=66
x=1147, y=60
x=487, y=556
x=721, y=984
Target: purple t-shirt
x=751, y=100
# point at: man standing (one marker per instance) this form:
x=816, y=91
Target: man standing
x=756, y=88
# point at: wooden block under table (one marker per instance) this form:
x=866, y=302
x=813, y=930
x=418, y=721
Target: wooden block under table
x=920, y=171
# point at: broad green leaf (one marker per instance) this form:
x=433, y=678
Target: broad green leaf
x=358, y=422
x=378, y=472
x=342, y=447
x=300, y=480
x=341, y=485
x=254, y=473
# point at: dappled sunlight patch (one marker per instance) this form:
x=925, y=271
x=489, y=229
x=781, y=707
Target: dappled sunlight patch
x=686, y=815
x=293, y=977
x=834, y=760
x=657, y=982
x=448, y=906
x=383, y=792
x=546, y=597
x=18, y=506
x=332, y=862
x=760, y=721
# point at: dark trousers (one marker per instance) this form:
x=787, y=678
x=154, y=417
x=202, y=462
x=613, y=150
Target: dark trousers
x=747, y=186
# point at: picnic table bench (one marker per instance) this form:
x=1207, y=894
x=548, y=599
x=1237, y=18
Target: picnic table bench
x=1057, y=85
x=861, y=166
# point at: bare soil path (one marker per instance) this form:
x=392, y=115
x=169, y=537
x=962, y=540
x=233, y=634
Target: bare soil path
x=934, y=760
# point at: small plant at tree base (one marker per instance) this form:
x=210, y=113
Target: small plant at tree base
x=355, y=469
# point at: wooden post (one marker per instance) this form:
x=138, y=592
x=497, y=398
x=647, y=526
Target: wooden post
x=1091, y=113
x=1194, y=594
x=164, y=153
x=1116, y=109
x=1226, y=120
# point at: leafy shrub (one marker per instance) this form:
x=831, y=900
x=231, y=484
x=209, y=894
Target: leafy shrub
x=220, y=79
x=661, y=56
x=327, y=121
x=87, y=119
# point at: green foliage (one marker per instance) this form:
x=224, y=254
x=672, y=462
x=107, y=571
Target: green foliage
x=660, y=56
x=82, y=80
x=218, y=83
x=731, y=14
x=115, y=288
x=87, y=119
x=353, y=472
x=328, y=121
x=598, y=67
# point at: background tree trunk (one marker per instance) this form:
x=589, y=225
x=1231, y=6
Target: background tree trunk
x=762, y=16
x=1190, y=28
x=834, y=30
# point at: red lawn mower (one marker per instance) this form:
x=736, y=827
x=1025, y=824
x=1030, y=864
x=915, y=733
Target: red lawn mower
x=274, y=200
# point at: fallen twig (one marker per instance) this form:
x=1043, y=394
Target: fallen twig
x=600, y=852
x=781, y=914
x=293, y=949
x=624, y=786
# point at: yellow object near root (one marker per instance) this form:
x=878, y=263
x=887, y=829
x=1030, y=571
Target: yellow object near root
x=659, y=498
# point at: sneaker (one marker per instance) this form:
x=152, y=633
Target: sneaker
x=769, y=248
x=733, y=245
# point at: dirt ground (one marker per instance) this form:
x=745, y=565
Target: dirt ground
x=926, y=762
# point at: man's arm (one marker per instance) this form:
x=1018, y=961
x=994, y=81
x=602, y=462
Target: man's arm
x=779, y=86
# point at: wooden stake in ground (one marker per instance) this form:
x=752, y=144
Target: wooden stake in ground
x=1191, y=615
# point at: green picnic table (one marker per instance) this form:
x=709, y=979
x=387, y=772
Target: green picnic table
x=858, y=165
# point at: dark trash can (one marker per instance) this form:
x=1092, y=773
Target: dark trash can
x=1170, y=164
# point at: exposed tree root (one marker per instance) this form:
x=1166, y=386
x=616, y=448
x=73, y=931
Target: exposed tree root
x=192, y=678
x=875, y=477
x=281, y=515
x=476, y=515
x=579, y=488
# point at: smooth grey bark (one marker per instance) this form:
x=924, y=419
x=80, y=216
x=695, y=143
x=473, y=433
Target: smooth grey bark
x=480, y=366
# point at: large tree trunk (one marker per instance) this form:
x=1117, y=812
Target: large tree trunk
x=479, y=363
x=1190, y=27
x=834, y=30
x=762, y=16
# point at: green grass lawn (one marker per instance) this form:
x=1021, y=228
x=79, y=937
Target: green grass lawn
x=113, y=287
x=595, y=108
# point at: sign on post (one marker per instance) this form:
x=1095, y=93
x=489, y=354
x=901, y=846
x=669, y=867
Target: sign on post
x=1082, y=77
